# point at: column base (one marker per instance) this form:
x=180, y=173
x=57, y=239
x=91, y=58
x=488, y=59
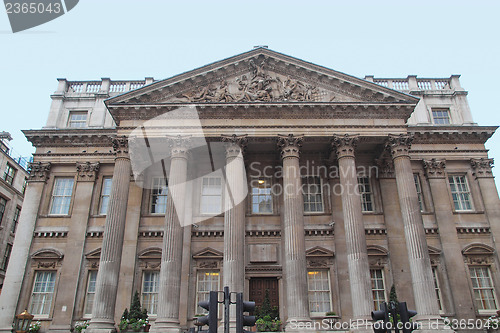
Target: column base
x=101, y=326
x=429, y=324
x=166, y=326
x=299, y=325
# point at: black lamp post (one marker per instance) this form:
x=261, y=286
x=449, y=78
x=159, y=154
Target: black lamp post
x=22, y=322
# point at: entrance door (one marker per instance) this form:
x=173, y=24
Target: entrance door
x=258, y=287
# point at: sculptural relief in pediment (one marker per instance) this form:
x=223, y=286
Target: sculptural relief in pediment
x=257, y=85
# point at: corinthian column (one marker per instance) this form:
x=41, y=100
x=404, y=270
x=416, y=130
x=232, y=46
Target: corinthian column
x=103, y=311
x=357, y=255
x=416, y=244
x=293, y=233
x=234, y=216
x=171, y=258
x=39, y=173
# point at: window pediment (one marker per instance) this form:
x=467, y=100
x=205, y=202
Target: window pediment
x=208, y=253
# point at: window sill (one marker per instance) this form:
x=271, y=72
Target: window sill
x=153, y=215
x=468, y=212
x=56, y=216
x=372, y=213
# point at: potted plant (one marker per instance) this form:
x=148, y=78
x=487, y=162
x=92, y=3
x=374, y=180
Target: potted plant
x=80, y=326
x=267, y=316
x=135, y=320
x=35, y=327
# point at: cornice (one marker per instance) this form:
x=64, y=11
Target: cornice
x=451, y=134
x=70, y=137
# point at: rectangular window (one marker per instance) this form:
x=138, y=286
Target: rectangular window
x=366, y=194
x=441, y=116
x=15, y=220
x=319, y=291
x=43, y=291
x=150, y=286
x=211, y=195
x=460, y=192
x=262, y=200
x=482, y=285
x=3, y=204
x=378, y=287
x=437, y=288
x=77, y=119
x=89, y=297
x=105, y=193
x=158, y=199
x=420, y=197
x=313, y=194
x=9, y=174
x=6, y=257
x=61, y=196
x=206, y=282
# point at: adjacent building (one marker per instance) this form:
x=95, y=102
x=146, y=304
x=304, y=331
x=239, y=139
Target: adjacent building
x=13, y=177
x=258, y=172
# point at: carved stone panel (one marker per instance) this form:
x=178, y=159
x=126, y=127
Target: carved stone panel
x=263, y=253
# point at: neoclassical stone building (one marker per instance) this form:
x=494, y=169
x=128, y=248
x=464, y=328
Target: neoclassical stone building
x=276, y=174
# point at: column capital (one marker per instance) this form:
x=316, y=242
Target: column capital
x=434, y=168
x=399, y=145
x=385, y=167
x=290, y=145
x=344, y=145
x=481, y=167
x=120, y=146
x=235, y=144
x=87, y=171
x=39, y=172
x=179, y=146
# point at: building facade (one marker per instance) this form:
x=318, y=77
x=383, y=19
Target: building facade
x=258, y=172
x=13, y=177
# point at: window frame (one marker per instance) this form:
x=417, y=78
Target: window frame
x=6, y=256
x=78, y=112
x=322, y=202
x=370, y=193
x=469, y=192
x=420, y=193
x=492, y=288
x=52, y=196
x=87, y=314
x=440, y=116
x=197, y=291
x=157, y=292
x=9, y=174
x=3, y=207
x=102, y=195
x=330, y=299
x=202, y=212
x=267, y=181
x=15, y=219
x=152, y=195
x=50, y=306
x=437, y=287
x=376, y=302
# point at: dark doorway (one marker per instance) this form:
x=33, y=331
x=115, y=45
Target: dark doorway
x=258, y=288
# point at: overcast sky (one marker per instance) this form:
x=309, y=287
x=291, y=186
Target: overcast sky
x=124, y=39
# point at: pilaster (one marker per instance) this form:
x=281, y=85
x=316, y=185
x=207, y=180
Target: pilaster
x=357, y=255
x=112, y=245
x=39, y=173
x=171, y=259
x=293, y=232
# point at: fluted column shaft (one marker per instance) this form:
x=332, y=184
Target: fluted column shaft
x=293, y=231
x=103, y=310
x=357, y=255
x=234, y=216
x=13, y=281
x=171, y=259
x=416, y=243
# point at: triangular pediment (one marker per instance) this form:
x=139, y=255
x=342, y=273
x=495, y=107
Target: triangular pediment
x=261, y=76
x=319, y=251
x=208, y=253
